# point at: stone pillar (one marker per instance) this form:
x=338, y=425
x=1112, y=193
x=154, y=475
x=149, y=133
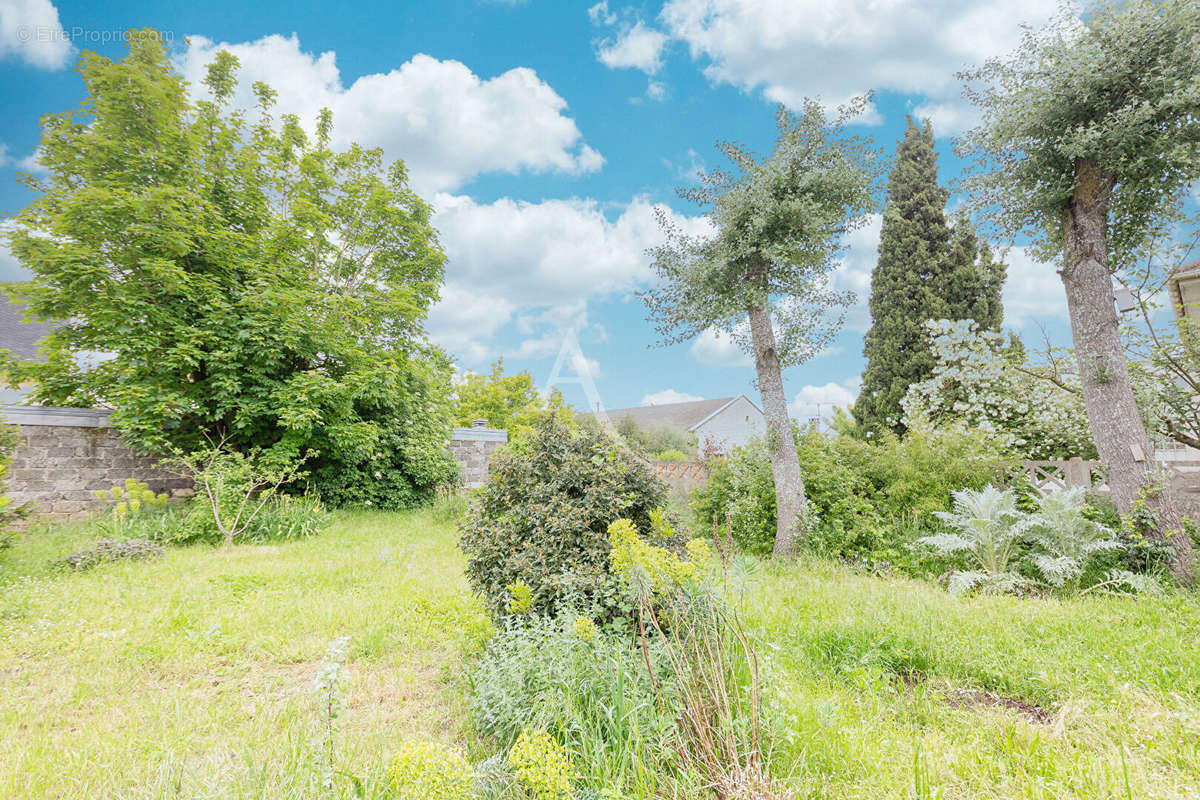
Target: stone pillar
x=472, y=448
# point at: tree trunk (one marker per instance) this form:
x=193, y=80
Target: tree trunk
x=790, y=501
x=1113, y=417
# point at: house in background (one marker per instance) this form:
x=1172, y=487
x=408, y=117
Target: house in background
x=1183, y=285
x=22, y=339
x=718, y=424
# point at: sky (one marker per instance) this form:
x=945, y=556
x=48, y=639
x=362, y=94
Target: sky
x=544, y=133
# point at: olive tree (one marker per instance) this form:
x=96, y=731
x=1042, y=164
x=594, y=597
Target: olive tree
x=762, y=275
x=1090, y=136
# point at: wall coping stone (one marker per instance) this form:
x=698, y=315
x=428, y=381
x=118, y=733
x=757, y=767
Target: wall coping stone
x=478, y=435
x=49, y=415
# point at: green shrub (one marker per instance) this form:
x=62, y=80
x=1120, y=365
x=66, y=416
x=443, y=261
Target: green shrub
x=1066, y=539
x=987, y=532
x=541, y=766
x=586, y=686
x=671, y=455
x=867, y=503
x=655, y=439
x=542, y=518
x=429, y=771
x=281, y=518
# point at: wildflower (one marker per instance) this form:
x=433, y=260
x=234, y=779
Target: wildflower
x=585, y=629
x=520, y=597
x=542, y=766
x=429, y=771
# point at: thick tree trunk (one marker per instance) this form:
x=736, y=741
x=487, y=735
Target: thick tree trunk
x=1113, y=417
x=790, y=501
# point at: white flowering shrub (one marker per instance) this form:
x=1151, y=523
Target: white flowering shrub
x=976, y=385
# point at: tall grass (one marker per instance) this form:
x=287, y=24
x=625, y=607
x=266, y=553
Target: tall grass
x=191, y=676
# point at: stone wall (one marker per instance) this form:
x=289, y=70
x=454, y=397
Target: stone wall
x=67, y=453
x=472, y=448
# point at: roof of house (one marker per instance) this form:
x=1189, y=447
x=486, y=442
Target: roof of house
x=16, y=334
x=1189, y=269
x=673, y=415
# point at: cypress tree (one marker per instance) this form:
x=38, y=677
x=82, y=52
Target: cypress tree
x=927, y=269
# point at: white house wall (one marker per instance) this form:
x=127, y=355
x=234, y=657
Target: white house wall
x=734, y=425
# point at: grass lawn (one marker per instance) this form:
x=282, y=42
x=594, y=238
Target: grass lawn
x=191, y=676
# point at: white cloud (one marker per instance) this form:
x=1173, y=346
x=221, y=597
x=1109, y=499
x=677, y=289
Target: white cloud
x=537, y=265
x=812, y=401
x=636, y=47
x=791, y=49
x=656, y=91
x=669, y=396
x=1033, y=290
x=30, y=32
x=718, y=349
x=446, y=122
x=10, y=268
x=854, y=271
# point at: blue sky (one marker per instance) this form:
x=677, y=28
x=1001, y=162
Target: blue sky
x=545, y=132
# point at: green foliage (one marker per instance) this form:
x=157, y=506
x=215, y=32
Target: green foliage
x=988, y=530
x=234, y=487
x=657, y=440
x=1065, y=538
x=251, y=284
x=867, y=502
x=778, y=220
x=656, y=570
x=508, y=402
x=106, y=550
x=1113, y=88
x=592, y=691
x=542, y=518
x=429, y=771
x=926, y=270
x=541, y=766
x=405, y=461
x=919, y=472
x=671, y=455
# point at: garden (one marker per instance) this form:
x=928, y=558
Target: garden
x=886, y=607
x=354, y=659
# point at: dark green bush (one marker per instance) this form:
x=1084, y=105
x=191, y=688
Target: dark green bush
x=394, y=454
x=543, y=516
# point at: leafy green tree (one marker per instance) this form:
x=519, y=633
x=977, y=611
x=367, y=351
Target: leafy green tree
x=1089, y=141
x=927, y=269
x=777, y=222
x=248, y=284
x=509, y=402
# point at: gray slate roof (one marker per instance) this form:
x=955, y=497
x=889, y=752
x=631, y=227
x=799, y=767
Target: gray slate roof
x=684, y=416
x=16, y=334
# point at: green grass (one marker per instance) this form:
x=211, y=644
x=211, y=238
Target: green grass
x=1118, y=677
x=191, y=676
